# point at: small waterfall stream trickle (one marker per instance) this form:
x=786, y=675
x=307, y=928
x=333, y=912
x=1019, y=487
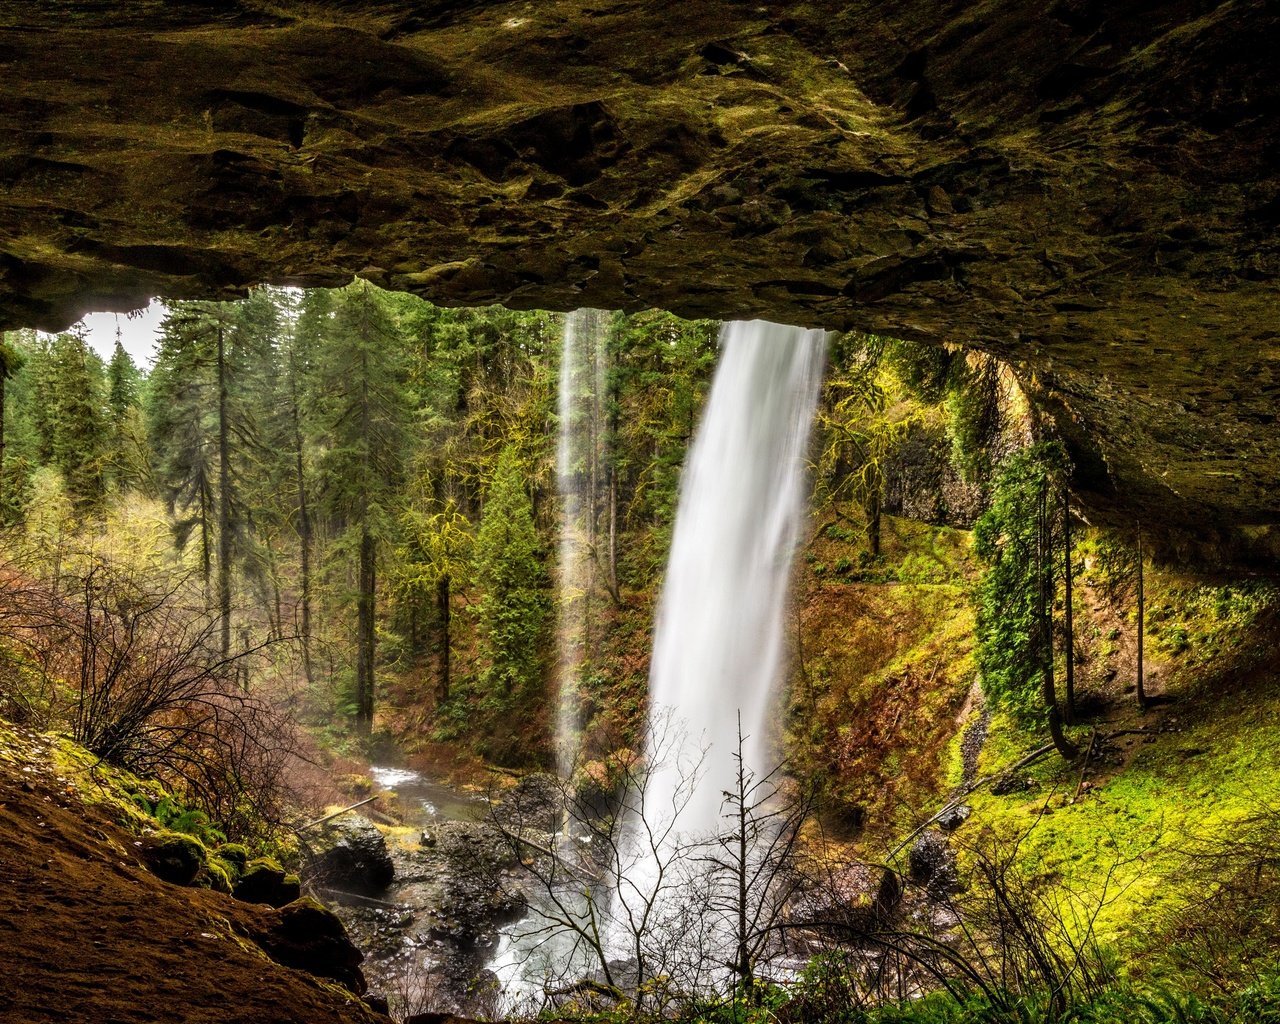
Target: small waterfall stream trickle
x=718, y=647
x=583, y=369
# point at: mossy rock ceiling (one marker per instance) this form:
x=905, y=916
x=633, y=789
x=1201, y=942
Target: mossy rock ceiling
x=1088, y=188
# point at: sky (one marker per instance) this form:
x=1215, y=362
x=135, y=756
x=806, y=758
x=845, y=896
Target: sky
x=137, y=335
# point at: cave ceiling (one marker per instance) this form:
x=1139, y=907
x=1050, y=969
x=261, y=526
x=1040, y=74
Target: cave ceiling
x=1086, y=188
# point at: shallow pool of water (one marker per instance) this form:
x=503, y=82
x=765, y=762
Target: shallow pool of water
x=424, y=801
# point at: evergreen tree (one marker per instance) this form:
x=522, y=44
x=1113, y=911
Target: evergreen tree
x=297, y=369
x=123, y=383
x=204, y=398
x=361, y=389
x=76, y=419
x=129, y=451
x=1018, y=537
x=432, y=559
x=509, y=569
x=12, y=360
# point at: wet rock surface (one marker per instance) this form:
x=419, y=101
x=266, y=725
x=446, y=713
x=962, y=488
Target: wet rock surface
x=350, y=853
x=932, y=865
x=1098, y=206
x=175, y=857
x=429, y=934
x=264, y=881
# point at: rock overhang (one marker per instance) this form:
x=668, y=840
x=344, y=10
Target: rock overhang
x=1088, y=190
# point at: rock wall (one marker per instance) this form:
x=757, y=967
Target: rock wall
x=1088, y=188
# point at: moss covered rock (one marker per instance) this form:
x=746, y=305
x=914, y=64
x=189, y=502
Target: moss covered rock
x=214, y=875
x=234, y=857
x=263, y=880
x=309, y=937
x=174, y=857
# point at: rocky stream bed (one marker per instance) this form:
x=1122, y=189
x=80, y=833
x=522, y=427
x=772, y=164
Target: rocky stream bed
x=424, y=900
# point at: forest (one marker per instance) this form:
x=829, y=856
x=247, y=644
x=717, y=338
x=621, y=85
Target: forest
x=1020, y=769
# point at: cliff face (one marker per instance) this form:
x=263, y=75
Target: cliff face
x=1088, y=188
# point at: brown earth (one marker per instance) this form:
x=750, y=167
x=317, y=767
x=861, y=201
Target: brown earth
x=88, y=934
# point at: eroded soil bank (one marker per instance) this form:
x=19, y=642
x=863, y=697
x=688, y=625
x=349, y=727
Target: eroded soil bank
x=90, y=934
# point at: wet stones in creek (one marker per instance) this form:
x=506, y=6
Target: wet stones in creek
x=933, y=865
x=537, y=801
x=436, y=924
x=351, y=854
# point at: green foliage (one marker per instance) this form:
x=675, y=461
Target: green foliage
x=827, y=993
x=189, y=821
x=660, y=377
x=1202, y=622
x=75, y=421
x=929, y=372
x=976, y=418
x=509, y=570
x=1010, y=640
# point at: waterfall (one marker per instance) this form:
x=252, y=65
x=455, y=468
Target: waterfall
x=579, y=448
x=718, y=649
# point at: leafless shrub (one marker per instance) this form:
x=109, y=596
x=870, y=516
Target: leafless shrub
x=129, y=660
x=641, y=914
x=1001, y=929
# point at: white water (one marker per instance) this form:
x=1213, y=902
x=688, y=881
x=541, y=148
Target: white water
x=718, y=649
x=719, y=642
x=583, y=365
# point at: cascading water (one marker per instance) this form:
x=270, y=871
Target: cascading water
x=719, y=639
x=718, y=647
x=583, y=368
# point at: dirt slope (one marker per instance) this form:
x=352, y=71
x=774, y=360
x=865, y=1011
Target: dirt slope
x=88, y=934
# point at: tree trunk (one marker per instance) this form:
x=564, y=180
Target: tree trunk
x=365, y=636
x=874, y=521
x=304, y=527
x=1044, y=559
x=206, y=550
x=1068, y=578
x=1142, y=627
x=744, y=948
x=224, y=500
x=4, y=374
x=444, y=608
x=611, y=440
x=365, y=629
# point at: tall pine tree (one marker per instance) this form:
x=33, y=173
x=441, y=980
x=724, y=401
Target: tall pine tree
x=364, y=404
x=509, y=569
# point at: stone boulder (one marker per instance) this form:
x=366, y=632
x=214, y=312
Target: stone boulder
x=476, y=891
x=306, y=936
x=174, y=857
x=352, y=854
x=535, y=802
x=265, y=881
x=932, y=864
x=953, y=817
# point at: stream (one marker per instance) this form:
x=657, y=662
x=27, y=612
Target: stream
x=455, y=931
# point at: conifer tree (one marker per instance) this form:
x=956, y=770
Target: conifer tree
x=11, y=361
x=129, y=450
x=123, y=381
x=76, y=419
x=509, y=569
x=364, y=409
x=203, y=405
